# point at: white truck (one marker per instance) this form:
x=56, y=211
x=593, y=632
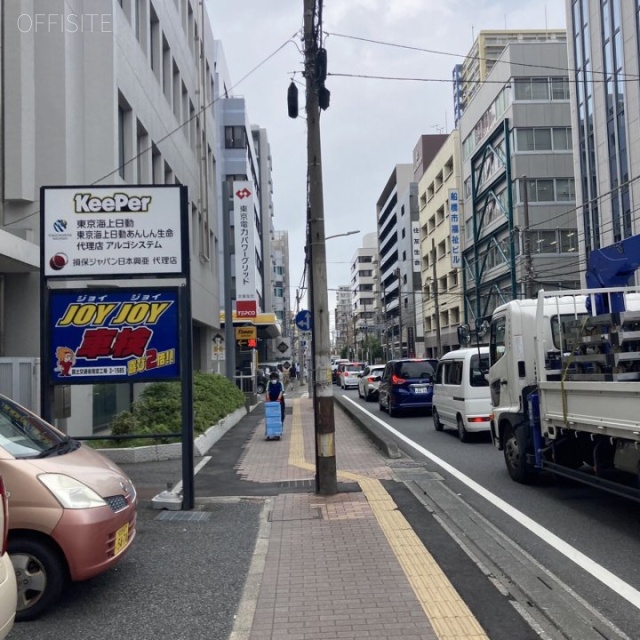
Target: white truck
x=565, y=386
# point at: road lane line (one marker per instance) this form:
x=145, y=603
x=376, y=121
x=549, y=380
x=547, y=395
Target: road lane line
x=622, y=588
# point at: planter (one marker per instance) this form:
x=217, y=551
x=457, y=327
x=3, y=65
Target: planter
x=157, y=452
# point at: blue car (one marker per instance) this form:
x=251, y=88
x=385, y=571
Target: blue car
x=407, y=384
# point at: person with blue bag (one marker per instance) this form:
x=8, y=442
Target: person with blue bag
x=275, y=391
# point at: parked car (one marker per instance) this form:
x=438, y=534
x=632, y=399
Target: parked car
x=72, y=512
x=369, y=381
x=8, y=588
x=261, y=381
x=334, y=368
x=407, y=384
x=461, y=394
x=350, y=372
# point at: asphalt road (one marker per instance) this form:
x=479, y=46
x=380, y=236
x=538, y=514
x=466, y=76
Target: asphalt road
x=602, y=527
x=181, y=580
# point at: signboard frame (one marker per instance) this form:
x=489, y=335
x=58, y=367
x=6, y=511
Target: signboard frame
x=56, y=232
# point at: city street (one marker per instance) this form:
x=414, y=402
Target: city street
x=600, y=526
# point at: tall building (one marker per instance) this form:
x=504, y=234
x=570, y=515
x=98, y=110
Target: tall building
x=485, y=51
x=119, y=101
x=519, y=192
x=342, y=318
x=605, y=114
x=439, y=189
x=245, y=156
x=364, y=301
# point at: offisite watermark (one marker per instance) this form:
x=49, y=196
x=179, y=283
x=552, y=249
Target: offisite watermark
x=66, y=22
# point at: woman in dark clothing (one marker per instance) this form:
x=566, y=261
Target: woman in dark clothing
x=275, y=391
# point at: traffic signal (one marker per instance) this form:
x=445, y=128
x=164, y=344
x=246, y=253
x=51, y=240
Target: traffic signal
x=252, y=343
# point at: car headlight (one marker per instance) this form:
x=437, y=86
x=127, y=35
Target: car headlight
x=71, y=493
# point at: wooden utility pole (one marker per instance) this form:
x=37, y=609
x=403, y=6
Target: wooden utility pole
x=435, y=300
x=526, y=237
x=324, y=422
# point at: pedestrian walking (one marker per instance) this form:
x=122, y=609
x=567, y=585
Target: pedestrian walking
x=275, y=391
x=293, y=372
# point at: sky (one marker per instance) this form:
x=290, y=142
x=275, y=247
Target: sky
x=371, y=124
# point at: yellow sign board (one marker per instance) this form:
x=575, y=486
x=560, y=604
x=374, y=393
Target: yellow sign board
x=246, y=333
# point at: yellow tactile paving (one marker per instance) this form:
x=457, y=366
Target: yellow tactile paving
x=448, y=614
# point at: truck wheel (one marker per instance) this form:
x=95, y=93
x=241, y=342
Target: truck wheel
x=515, y=454
x=463, y=434
x=437, y=425
x=41, y=576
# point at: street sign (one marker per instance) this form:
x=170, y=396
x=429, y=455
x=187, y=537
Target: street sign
x=218, y=339
x=246, y=333
x=304, y=320
x=283, y=347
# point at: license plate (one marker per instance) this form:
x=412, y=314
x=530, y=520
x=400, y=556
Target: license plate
x=122, y=537
x=420, y=389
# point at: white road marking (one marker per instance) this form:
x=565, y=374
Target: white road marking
x=177, y=488
x=605, y=576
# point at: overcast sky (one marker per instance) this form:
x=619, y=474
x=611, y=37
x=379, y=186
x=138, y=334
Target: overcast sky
x=371, y=125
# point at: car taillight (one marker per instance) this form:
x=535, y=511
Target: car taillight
x=397, y=379
x=346, y=374
x=480, y=419
x=5, y=512
x=369, y=379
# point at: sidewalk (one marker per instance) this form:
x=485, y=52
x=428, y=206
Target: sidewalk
x=343, y=566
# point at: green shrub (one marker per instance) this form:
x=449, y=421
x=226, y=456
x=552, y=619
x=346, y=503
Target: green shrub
x=159, y=410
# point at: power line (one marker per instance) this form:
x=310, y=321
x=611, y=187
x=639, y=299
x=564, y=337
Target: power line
x=479, y=58
x=173, y=131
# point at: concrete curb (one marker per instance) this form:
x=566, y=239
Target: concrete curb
x=157, y=452
x=375, y=433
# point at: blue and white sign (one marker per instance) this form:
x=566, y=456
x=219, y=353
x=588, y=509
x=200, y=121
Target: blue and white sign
x=455, y=223
x=304, y=320
x=114, y=335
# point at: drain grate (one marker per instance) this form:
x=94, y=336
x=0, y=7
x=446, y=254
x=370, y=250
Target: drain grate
x=184, y=516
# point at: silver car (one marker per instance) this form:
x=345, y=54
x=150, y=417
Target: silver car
x=349, y=375
x=369, y=382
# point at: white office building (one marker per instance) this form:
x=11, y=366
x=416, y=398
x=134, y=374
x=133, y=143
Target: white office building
x=124, y=99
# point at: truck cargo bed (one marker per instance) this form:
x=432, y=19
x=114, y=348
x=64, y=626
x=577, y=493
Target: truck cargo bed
x=606, y=408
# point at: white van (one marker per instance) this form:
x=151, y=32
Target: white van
x=461, y=395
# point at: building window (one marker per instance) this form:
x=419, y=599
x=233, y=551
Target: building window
x=235, y=138
x=530, y=89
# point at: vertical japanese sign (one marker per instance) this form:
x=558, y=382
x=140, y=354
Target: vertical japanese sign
x=415, y=246
x=245, y=250
x=455, y=223
x=113, y=335
x=111, y=231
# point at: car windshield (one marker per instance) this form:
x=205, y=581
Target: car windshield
x=353, y=367
x=24, y=435
x=415, y=369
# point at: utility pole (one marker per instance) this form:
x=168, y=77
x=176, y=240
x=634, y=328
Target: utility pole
x=526, y=236
x=324, y=421
x=399, y=310
x=435, y=299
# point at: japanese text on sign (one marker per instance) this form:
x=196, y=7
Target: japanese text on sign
x=455, y=223
x=124, y=335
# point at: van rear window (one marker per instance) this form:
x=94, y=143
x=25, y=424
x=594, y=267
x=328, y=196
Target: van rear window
x=415, y=369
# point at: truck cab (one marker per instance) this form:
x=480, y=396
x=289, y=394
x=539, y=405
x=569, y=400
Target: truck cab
x=511, y=354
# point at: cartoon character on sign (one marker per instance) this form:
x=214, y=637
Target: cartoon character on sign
x=66, y=359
